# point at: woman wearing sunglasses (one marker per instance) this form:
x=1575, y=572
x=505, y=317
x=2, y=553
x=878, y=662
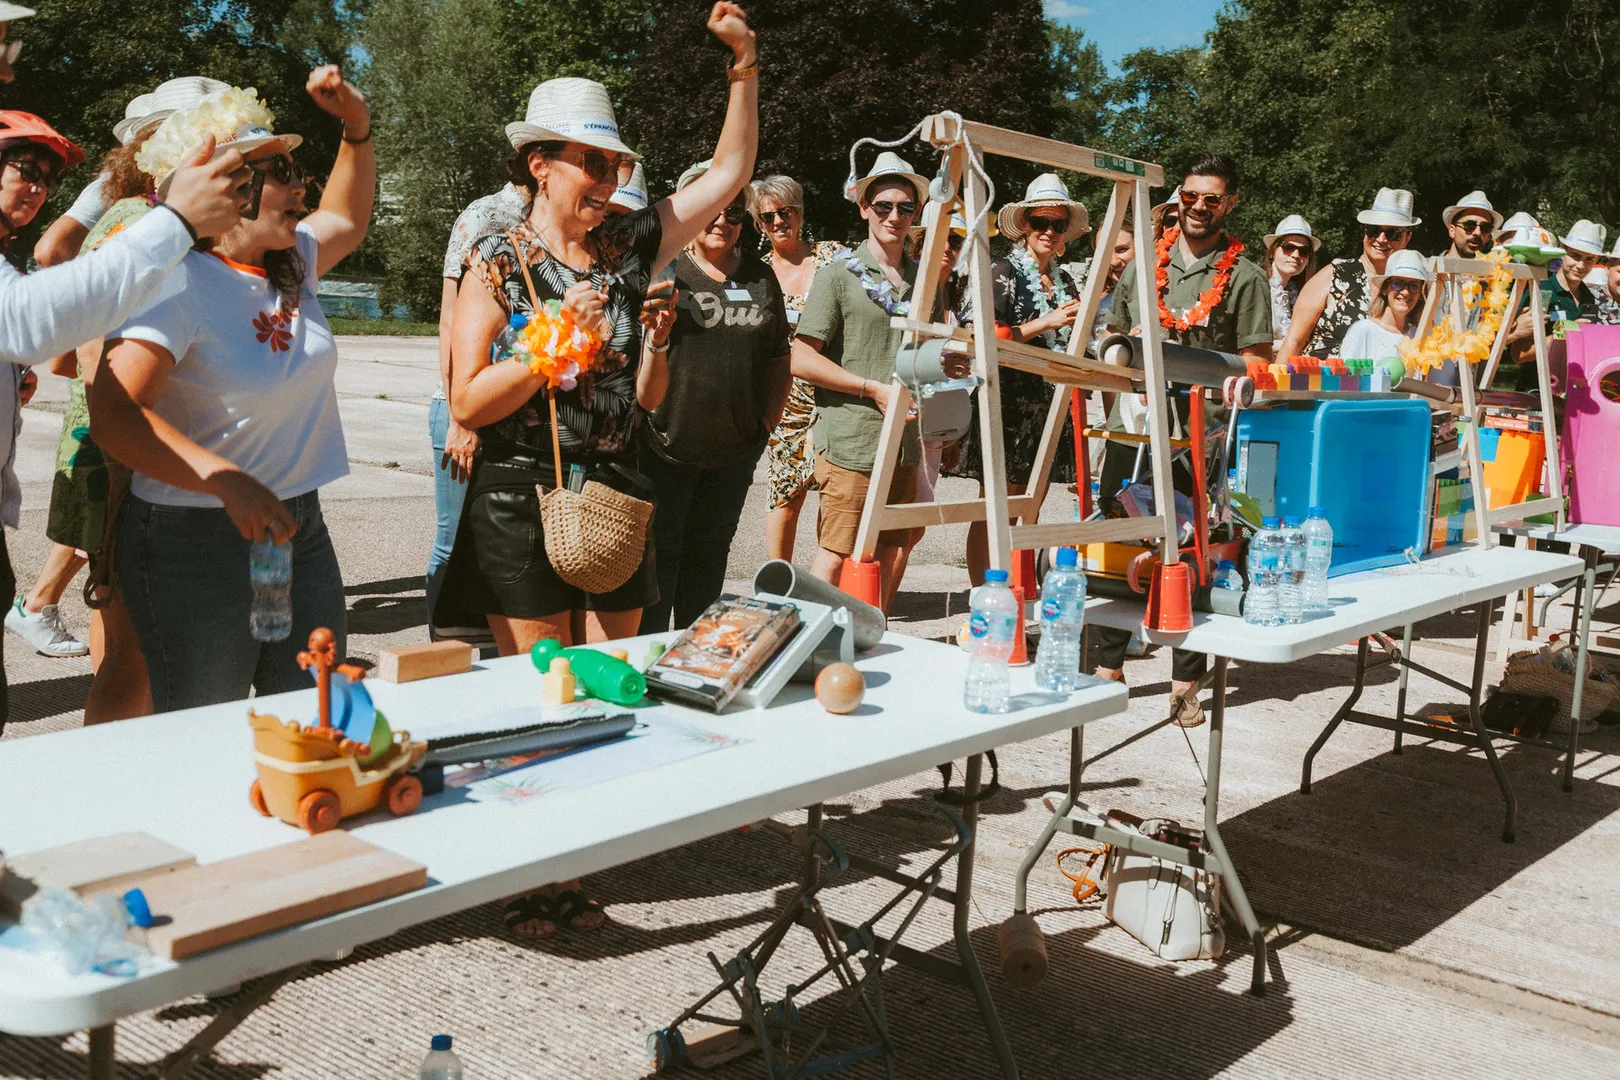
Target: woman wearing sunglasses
x=220, y=398
x=790, y=466
x=1290, y=262
x=1393, y=313
x=1338, y=297
x=1037, y=301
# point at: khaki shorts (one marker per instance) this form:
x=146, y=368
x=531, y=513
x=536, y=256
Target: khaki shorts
x=842, y=498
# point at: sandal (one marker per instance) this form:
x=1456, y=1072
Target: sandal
x=532, y=908
x=1186, y=711
x=572, y=908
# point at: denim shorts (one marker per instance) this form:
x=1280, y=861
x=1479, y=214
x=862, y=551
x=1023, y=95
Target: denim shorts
x=184, y=575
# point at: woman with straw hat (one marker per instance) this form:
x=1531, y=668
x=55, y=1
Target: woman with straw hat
x=1037, y=302
x=1393, y=312
x=1290, y=262
x=1337, y=297
x=221, y=399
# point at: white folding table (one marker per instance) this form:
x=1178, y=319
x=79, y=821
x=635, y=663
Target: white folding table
x=1362, y=604
x=183, y=777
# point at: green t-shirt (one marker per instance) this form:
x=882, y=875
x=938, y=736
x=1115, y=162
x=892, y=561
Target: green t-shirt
x=1559, y=305
x=855, y=334
x=1242, y=318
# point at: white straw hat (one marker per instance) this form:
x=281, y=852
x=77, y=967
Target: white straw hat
x=1405, y=263
x=1474, y=200
x=632, y=196
x=1521, y=220
x=12, y=12
x=1392, y=207
x=888, y=164
x=1294, y=225
x=1586, y=237
x=170, y=97
x=569, y=110
x=1045, y=190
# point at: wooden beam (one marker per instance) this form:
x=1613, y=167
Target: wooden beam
x=1499, y=346
x=1048, y=363
x=1074, y=533
x=1147, y=291
x=986, y=139
x=912, y=515
x=1444, y=264
x=986, y=363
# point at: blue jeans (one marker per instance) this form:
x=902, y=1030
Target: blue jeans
x=183, y=572
x=449, y=495
x=698, y=511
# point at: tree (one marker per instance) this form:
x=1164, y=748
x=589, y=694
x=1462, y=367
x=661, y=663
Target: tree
x=832, y=71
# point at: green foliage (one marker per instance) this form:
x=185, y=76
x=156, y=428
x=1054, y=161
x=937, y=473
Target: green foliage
x=342, y=325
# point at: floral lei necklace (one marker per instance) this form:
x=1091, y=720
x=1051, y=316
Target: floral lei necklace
x=1022, y=261
x=881, y=292
x=1198, y=314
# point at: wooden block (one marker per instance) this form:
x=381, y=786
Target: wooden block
x=206, y=907
x=709, y=1046
x=407, y=663
x=101, y=864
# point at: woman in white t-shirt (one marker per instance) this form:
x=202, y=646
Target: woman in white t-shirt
x=1392, y=314
x=220, y=397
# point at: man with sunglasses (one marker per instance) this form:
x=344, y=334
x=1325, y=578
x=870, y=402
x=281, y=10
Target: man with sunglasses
x=1471, y=223
x=1239, y=321
x=844, y=347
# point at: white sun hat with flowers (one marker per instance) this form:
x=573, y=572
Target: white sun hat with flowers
x=235, y=117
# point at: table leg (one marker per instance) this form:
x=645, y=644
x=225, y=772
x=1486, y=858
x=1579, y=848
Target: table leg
x=964, y=905
x=1212, y=830
x=103, y=1060
x=252, y=996
x=1338, y=717
x=1481, y=648
x=1400, y=692
x=1077, y=767
x=1585, y=591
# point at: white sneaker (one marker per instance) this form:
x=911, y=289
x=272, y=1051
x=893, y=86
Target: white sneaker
x=44, y=630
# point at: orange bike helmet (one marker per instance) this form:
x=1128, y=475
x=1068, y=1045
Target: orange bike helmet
x=18, y=126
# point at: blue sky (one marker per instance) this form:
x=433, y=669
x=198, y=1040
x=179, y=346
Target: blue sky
x=1120, y=27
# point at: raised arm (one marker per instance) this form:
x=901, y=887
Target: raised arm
x=341, y=221
x=688, y=212
x=1308, y=310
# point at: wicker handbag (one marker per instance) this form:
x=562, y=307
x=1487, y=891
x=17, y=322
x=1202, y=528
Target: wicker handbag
x=595, y=538
x=1532, y=672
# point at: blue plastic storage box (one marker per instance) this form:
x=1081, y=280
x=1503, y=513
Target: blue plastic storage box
x=1365, y=462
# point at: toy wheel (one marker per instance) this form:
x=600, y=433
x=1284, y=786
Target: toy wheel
x=256, y=798
x=666, y=1048
x=404, y=794
x=318, y=811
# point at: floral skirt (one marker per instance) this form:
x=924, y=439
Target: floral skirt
x=790, y=464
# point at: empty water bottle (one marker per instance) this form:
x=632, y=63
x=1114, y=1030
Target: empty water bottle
x=441, y=1063
x=1318, y=557
x=270, y=570
x=1227, y=576
x=993, y=620
x=1292, y=591
x=1063, y=614
x=89, y=935
x=1262, y=606
x=509, y=344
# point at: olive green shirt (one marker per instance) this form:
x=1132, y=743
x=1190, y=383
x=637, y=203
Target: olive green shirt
x=855, y=334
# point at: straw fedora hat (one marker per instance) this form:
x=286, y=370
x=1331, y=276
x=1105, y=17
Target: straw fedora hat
x=888, y=165
x=1391, y=207
x=175, y=95
x=632, y=196
x=569, y=110
x=1294, y=225
x=1520, y=220
x=1405, y=263
x=1045, y=190
x=1586, y=237
x=1474, y=200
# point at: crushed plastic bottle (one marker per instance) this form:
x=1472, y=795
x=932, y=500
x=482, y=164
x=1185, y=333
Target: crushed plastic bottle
x=270, y=572
x=92, y=935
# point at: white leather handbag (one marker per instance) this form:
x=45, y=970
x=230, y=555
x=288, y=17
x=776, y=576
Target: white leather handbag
x=1174, y=910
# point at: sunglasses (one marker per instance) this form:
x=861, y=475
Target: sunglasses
x=1294, y=249
x=954, y=242
x=734, y=215
x=771, y=217
x=1393, y=232
x=1048, y=224
x=9, y=51
x=1191, y=199
x=1472, y=225
x=883, y=208
x=1403, y=285
x=281, y=168
x=35, y=173
x=598, y=165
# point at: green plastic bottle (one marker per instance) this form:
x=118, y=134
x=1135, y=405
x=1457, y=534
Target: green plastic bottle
x=604, y=677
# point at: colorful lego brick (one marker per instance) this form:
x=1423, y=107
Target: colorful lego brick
x=1299, y=382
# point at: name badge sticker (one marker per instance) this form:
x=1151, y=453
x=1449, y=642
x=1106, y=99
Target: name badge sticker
x=741, y=296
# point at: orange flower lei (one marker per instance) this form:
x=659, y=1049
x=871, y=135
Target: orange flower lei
x=1212, y=296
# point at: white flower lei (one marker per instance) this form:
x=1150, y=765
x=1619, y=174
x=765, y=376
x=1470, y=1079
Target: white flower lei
x=221, y=114
x=1024, y=263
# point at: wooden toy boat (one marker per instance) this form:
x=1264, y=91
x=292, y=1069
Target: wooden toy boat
x=314, y=776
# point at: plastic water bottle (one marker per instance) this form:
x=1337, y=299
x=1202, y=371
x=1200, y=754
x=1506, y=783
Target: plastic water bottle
x=1226, y=576
x=1063, y=613
x=1318, y=557
x=440, y=1063
x=993, y=621
x=270, y=570
x=1262, y=606
x=509, y=342
x=89, y=935
x=1292, y=592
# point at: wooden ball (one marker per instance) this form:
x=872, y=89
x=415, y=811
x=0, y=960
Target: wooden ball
x=840, y=688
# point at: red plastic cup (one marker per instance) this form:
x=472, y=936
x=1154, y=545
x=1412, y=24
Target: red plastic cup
x=862, y=580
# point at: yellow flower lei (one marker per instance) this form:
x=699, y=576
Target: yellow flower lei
x=1445, y=342
x=221, y=114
